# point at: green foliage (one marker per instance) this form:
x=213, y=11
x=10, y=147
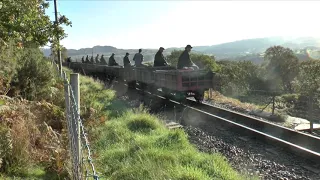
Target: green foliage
x=35, y=74
x=8, y=64
x=241, y=76
x=174, y=57
x=282, y=64
x=26, y=22
x=201, y=60
x=308, y=80
x=155, y=154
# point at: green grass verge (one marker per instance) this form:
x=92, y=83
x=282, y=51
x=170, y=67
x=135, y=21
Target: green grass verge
x=137, y=146
x=132, y=144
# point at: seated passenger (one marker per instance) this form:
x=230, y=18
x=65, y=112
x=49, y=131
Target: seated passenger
x=97, y=59
x=159, y=59
x=87, y=59
x=103, y=61
x=138, y=58
x=126, y=61
x=112, y=61
x=91, y=60
x=184, y=61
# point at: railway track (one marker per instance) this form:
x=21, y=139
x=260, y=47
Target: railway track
x=304, y=145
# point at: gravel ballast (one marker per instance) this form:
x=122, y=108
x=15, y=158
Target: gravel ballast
x=247, y=155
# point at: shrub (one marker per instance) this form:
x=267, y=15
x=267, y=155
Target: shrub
x=34, y=76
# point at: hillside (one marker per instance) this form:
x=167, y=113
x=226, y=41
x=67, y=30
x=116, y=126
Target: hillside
x=248, y=49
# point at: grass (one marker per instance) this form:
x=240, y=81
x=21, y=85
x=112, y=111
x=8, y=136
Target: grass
x=132, y=144
x=126, y=144
x=32, y=173
x=137, y=145
x=249, y=103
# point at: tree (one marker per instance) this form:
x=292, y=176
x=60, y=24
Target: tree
x=282, y=66
x=26, y=23
x=240, y=76
x=54, y=53
x=308, y=80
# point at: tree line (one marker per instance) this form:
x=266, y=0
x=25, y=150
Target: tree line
x=297, y=83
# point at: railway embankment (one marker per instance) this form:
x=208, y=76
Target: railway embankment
x=129, y=143
x=247, y=154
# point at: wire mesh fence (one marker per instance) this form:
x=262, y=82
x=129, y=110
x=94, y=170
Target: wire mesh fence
x=79, y=146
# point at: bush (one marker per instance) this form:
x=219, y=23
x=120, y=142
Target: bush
x=34, y=76
x=8, y=63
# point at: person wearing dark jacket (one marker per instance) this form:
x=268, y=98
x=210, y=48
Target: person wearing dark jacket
x=87, y=59
x=112, y=61
x=102, y=60
x=159, y=58
x=91, y=60
x=82, y=59
x=97, y=59
x=184, y=59
x=126, y=61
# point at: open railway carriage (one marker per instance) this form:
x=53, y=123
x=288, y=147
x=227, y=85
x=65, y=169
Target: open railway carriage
x=128, y=75
x=76, y=67
x=181, y=83
x=144, y=76
x=114, y=72
x=184, y=83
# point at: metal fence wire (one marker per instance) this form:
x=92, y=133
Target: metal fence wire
x=80, y=152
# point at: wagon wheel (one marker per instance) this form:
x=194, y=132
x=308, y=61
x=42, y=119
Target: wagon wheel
x=132, y=84
x=199, y=96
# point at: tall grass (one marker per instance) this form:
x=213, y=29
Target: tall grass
x=132, y=144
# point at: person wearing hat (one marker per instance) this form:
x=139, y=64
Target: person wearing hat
x=112, y=61
x=126, y=61
x=138, y=58
x=159, y=58
x=184, y=61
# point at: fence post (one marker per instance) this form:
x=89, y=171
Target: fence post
x=310, y=113
x=74, y=81
x=273, y=103
x=68, y=119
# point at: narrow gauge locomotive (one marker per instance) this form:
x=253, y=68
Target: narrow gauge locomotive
x=180, y=83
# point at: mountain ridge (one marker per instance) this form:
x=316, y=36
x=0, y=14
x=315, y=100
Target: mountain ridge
x=251, y=48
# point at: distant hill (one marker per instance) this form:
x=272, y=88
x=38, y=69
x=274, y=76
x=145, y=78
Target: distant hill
x=248, y=49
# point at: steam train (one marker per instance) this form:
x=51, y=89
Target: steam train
x=179, y=83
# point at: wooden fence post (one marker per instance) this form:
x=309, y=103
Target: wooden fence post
x=75, y=86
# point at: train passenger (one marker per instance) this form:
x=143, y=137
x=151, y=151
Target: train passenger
x=112, y=61
x=87, y=59
x=82, y=59
x=159, y=59
x=69, y=60
x=184, y=61
x=102, y=60
x=126, y=61
x=97, y=59
x=91, y=60
x=138, y=58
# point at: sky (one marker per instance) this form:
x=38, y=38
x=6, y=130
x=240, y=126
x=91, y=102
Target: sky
x=151, y=24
